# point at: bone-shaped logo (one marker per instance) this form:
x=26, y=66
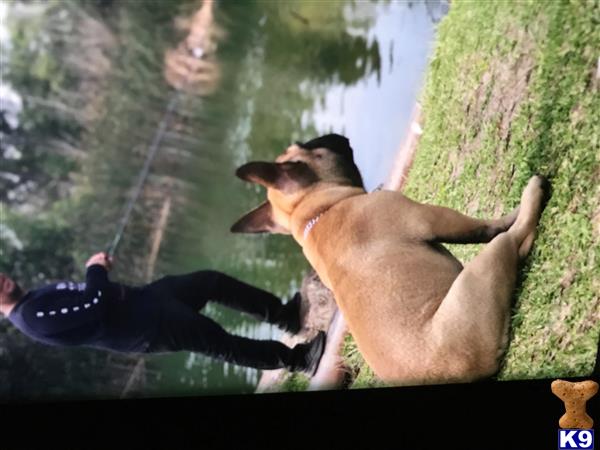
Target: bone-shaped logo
x=575, y=396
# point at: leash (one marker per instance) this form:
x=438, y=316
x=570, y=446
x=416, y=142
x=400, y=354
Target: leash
x=197, y=53
x=151, y=154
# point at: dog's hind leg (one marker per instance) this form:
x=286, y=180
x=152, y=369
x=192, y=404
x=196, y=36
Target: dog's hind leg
x=470, y=328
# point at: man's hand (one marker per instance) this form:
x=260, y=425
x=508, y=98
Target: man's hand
x=100, y=258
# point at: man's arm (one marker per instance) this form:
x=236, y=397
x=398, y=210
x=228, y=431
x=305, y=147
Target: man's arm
x=96, y=277
x=57, y=312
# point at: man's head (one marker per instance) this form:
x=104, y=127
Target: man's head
x=10, y=293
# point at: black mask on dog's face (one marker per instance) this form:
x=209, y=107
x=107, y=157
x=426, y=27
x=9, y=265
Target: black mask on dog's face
x=339, y=145
x=334, y=142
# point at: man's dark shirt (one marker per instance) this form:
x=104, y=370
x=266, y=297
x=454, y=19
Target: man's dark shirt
x=97, y=313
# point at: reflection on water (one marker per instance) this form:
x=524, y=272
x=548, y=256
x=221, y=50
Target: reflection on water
x=374, y=114
x=297, y=78
x=286, y=71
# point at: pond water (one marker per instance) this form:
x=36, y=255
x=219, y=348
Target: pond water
x=289, y=71
x=372, y=109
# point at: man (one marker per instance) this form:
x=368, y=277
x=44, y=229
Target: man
x=159, y=317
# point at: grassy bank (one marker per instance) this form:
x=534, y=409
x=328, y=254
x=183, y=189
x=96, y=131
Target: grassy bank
x=512, y=91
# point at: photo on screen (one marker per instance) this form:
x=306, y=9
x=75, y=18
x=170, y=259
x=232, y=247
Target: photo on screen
x=207, y=197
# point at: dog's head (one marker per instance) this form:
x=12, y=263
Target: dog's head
x=300, y=169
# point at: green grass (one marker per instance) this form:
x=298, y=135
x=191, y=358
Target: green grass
x=294, y=382
x=511, y=92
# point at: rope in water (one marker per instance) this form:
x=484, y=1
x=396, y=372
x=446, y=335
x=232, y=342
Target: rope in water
x=152, y=151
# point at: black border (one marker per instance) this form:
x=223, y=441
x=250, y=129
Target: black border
x=485, y=415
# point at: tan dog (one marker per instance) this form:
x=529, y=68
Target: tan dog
x=417, y=316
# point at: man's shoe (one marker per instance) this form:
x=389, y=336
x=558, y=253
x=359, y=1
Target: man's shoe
x=307, y=356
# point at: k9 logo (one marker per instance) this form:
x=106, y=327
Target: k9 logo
x=570, y=439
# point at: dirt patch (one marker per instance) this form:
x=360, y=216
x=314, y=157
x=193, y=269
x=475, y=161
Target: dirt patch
x=591, y=318
x=568, y=278
x=497, y=98
x=563, y=318
x=565, y=335
x=472, y=206
x=560, y=330
x=595, y=219
x=596, y=225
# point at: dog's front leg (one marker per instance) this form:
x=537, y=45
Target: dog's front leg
x=449, y=226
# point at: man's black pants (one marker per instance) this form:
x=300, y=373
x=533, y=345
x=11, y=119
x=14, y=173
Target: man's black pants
x=182, y=327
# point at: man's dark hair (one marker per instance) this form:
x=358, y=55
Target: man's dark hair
x=339, y=145
x=17, y=292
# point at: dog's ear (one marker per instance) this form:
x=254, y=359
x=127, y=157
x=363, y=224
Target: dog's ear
x=285, y=177
x=259, y=220
x=264, y=173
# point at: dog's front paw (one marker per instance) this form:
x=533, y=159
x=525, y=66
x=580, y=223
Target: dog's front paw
x=538, y=187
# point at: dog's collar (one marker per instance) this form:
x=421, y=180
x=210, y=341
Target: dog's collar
x=311, y=223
